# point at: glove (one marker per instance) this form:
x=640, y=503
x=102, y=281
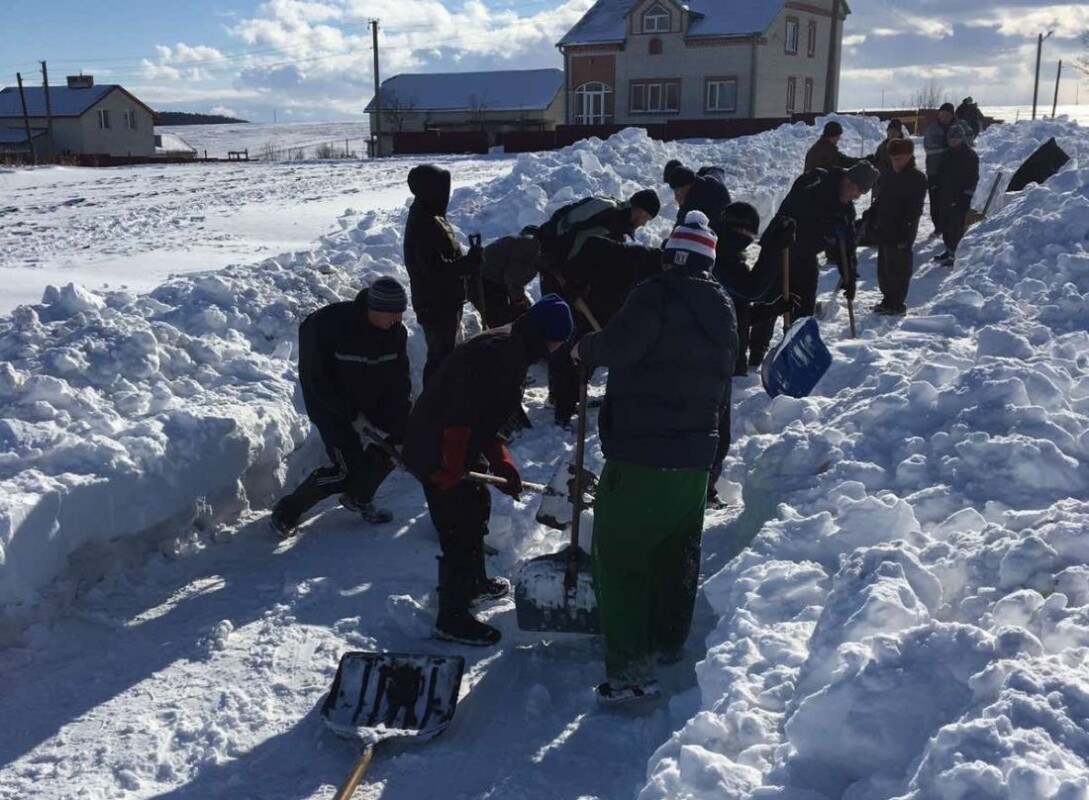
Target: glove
x=501, y=464
x=455, y=440
x=788, y=232
x=783, y=305
x=520, y=305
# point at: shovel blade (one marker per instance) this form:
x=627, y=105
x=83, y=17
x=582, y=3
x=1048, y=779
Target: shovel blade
x=542, y=601
x=378, y=696
x=557, y=509
x=799, y=362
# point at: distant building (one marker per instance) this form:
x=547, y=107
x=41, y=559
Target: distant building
x=496, y=102
x=170, y=145
x=87, y=119
x=643, y=61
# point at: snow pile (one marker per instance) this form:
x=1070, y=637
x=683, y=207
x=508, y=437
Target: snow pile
x=912, y=617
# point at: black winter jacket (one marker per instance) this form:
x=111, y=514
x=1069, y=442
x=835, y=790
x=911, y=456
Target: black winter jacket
x=512, y=262
x=604, y=273
x=709, y=194
x=671, y=352
x=958, y=176
x=896, y=212
x=478, y=386
x=433, y=256
x=733, y=273
x=349, y=367
x=825, y=155
x=813, y=202
x=568, y=229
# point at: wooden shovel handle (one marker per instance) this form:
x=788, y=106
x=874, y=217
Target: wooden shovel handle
x=495, y=480
x=850, y=302
x=359, y=768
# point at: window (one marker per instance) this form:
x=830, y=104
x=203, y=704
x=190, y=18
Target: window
x=792, y=92
x=655, y=97
x=790, y=41
x=104, y=118
x=593, y=104
x=655, y=47
x=812, y=49
x=130, y=119
x=656, y=20
x=808, y=99
x=722, y=95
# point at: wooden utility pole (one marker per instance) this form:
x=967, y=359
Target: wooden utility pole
x=26, y=119
x=48, y=110
x=1058, y=77
x=377, y=132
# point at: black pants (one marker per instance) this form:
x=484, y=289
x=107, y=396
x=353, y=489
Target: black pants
x=460, y=515
x=441, y=334
x=497, y=310
x=355, y=471
x=954, y=218
x=894, y=267
x=724, y=441
x=935, y=202
x=743, y=310
x=804, y=277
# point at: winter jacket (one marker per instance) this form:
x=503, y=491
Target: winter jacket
x=958, y=176
x=935, y=144
x=732, y=270
x=813, y=203
x=708, y=194
x=826, y=155
x=880, y=159
x=349, y=367
x=970, y=115
x=568, y=228
x=605, y=271
x=670, y=352
x=433, y=256
x=478, y=386
x=895, y=214
x=512, y=262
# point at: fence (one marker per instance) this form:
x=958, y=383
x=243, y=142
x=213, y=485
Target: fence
x=444, y=142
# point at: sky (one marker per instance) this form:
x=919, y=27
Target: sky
x=311, y=60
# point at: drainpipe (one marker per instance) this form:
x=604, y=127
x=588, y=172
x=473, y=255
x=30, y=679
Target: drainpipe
x=752, y=79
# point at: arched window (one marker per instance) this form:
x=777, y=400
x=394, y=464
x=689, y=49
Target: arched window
x=656, y=20
x=655, y=47
x=593, y=104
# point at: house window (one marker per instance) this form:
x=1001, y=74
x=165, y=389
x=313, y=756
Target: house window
x=808, y=99
x=812, y=49
x=792, y=92
x=130, y=119
x=656, y=20
x=103, y=118
x=790, y=41
x=593, y=104
x=721, y=95
x=655, y=47
x=655, y=97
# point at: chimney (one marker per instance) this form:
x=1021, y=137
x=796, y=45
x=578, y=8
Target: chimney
x=81, y=81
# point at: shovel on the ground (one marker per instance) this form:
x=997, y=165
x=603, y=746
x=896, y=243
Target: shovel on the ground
x=556, y=592
x=380, y=696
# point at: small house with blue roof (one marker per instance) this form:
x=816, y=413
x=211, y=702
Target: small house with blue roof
x=632, y=62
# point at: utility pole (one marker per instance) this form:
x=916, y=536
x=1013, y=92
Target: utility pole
x=1058, y=77
x=377, y=132
x=1036, y=84
x=26, y=120
x=48, y=110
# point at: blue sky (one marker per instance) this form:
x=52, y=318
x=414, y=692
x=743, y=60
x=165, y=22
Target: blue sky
x=311, y=59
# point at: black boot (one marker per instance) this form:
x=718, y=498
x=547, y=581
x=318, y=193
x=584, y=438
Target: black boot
x=456, y=591
x=485, y=589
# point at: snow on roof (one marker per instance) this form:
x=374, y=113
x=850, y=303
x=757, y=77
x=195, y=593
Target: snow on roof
x=65, y=102
x=606, y=21
x=172, y=143
x=501, y=90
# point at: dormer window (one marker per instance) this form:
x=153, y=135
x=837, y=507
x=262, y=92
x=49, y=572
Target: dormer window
x=656, y=20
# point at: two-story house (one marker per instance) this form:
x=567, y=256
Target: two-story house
x=634, y=62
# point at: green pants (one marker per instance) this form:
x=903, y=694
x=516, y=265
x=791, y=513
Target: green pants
x=648, y=524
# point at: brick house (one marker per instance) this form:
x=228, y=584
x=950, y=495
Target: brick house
x=634, y=62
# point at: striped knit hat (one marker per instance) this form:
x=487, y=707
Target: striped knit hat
x=387, y=294
x=692, y=243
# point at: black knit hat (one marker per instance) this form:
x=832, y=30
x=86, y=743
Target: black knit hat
x=681, y=176
x=388, y=295
x=742, y=217
x=948, y=107
x=833, y=128
x=895, y=124
x=646, y=199
x=671, y=165
x=863, y=175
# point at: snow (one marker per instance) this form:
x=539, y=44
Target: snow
x=895, y=606
x=282, y=140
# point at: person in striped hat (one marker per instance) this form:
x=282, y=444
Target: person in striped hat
x=353, y=370
x=670, y=352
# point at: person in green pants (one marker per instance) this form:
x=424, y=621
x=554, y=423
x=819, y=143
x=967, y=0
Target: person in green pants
x=670, y=352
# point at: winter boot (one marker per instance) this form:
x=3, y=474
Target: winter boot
x=485, y=589
x=282, y=521
x=756, y=358
x=741, y=368
x=612, y=694
x=454, y=622
x=369, y=512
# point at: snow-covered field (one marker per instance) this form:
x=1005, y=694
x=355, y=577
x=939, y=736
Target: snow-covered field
x=261, y=138
x=896, y=605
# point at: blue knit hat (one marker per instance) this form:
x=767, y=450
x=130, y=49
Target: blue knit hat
x=553, y=318
x=388, y=295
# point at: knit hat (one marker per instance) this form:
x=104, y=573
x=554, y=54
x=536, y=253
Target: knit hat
x=742, y=217
x=863, y=175
x=681, y=176
x=388, y=295
x=956, y=131
x=671, y=165
x=832, y=128
x=553, y=318
x=692, y=243
x=947, y=107
x=646, y=199
x=901, y=147
x=895, y=124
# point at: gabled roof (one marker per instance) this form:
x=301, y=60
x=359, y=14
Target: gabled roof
x=65, y=102
x=606, y=21
x=504, y=90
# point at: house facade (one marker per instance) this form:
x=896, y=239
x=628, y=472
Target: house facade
x=634, y=62
x=86, y=119
x=496, y=102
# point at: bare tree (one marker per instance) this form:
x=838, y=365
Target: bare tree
x=929, y=96
x=478, y=111
x=395, y=109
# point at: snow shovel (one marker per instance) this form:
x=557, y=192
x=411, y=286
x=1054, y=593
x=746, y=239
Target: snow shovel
x=380, y=696
x=556, y=592
x=978, y=216
x=850, y=301
x=798, y=363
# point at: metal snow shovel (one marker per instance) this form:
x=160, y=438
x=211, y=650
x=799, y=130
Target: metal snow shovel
x=978, y=216
x=380, y=696
x=556, y=592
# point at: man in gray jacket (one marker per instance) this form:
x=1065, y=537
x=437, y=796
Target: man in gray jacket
x=935, y=143
x=670, y=352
